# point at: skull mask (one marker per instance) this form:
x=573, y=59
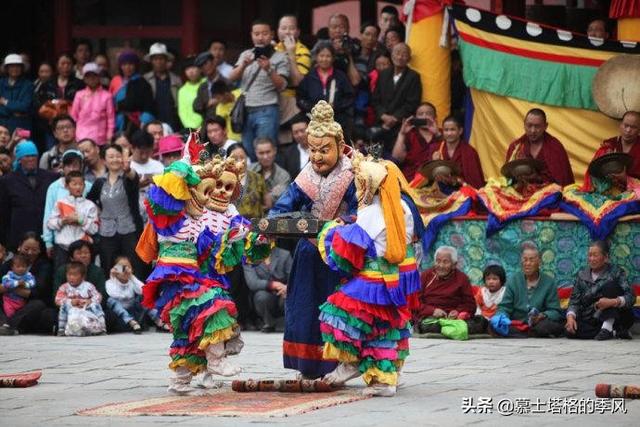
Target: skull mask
x=213, y=194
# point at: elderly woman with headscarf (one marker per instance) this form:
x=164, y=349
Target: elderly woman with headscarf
x=132, y=94
x=22, y=195
x=16, y=94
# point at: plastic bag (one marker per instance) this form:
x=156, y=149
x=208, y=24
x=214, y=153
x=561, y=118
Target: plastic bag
x=85, y=321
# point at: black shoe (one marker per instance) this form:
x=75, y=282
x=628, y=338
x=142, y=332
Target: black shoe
x=7, y=330
x=624, y=334
x=267, y=329
x=604, y=335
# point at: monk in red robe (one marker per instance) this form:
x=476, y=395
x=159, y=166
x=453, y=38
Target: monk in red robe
x=536, y=143
x=464, y=155
x=627, y=142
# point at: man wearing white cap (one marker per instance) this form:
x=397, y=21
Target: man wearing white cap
x=16, y=94
x=164, y=84
x=93, y=108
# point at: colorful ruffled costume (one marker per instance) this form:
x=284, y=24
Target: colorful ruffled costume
x=188, y=286
x=366, y=322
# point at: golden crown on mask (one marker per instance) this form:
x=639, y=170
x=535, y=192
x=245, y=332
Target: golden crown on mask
x=214, y=167
x=322, y=123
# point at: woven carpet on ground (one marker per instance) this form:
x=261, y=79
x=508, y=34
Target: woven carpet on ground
x=227, y=403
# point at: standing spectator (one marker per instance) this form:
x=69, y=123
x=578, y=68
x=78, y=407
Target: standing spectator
x=398, y=92
x=205, y=104
x=94, y=165
x=299, y=65
x=218, y=48
x=120, y=221
x=347, y=48
x=382, y=62
x=164, y=85
x=38, y=315
x=5, y=160
x=225, y=100
x=294, y=156
x=82, y=55
x=132, y=94
x=369, y=48
x=393, y=36
x=45, y=73
x=156, y=129
x=216, y=133
x=22, y=195
x=263, y=75
x=72, y=218
x=268, y=284
x=93, y=108
x=141, y=161
x=64, y=131
x=105, y=66
x=187, y=94
x=276, y=178
x=388, y=18
x=325, y=82
x=72, y=161
x=16, y=94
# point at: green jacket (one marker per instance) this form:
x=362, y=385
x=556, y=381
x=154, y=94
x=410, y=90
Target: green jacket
x=516, y=302
x=186, y=95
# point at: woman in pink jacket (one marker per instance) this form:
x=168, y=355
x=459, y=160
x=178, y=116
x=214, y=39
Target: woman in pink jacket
x=93, y=108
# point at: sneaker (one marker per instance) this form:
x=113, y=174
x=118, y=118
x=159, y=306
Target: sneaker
x=382, y=390
x=135, y=327
x=624, y=334
x=604, y=335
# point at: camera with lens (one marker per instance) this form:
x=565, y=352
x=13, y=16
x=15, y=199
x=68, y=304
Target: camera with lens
x=351, y=46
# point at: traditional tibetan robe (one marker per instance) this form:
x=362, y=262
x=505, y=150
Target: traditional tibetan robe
x=614, y=145
x=552, y=154
x=451, y=293
x=466, y=157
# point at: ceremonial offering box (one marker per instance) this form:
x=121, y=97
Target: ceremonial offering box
x=291, y=225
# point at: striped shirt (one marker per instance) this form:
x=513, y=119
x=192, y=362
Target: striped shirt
x=303, y=61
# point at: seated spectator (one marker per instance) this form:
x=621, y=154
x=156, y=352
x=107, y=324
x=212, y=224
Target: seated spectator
x=255, y=199
x=598, y=29
x=141, y=161
x=225, y=100
x=94, y=165
x=16, y=95
x=628, y=141
x=324, y=82
x=601, y=301
x=76, y=293
x=531, y=299
x=294, y=156
x=93, y=108
x=117, y=196
x=491, y=294
x=72, y=161
x=216, y=133
x=218, y=48
x=14, y=283
x=398, y=91
x=132, y=95
x=124, y=292
x=445, y=292
x=38, y=314
x=412, y=147
x=170, y=149
x=5, y=161
x=268, y=284
x=382, y=62
x=204, y=104
x=82, y=251
x=5, y=137
x=164, y=85
x=460, y=152
x=64, y=132
x=268, y=72
x=5, y=255
x=72, y=218
x=276, y=178
x=22, y=195
x=187, y=94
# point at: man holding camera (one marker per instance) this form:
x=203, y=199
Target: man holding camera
x=346, y=48
x=263, y=73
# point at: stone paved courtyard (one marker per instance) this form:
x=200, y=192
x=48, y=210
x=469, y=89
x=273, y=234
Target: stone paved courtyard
x=81, y=373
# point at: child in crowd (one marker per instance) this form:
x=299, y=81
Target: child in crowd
x=124, y=291
x=490, y=295
x=73, y=217
x=170, y=149
x=17, y=278
x=79, y=301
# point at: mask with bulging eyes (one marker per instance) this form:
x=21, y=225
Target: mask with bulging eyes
x=213, y=194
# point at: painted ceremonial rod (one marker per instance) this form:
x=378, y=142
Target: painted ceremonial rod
x=617, y=391
x=286, y=386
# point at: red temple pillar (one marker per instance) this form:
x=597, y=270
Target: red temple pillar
x=190, y=27
x=62, y=23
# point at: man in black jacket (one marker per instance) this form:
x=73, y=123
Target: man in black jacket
x=22, y=195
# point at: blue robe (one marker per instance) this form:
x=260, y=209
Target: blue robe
x=310, y=283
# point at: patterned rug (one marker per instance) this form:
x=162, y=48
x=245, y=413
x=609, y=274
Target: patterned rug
x=227, y=403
